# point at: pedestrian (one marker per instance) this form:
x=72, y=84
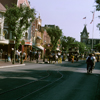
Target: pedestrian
x=72, y=58
x=24, y=55
x=82, y=56
x=89, y=61
x=16, y=55
x=59, y=55
x=9, y=59
x=33, y=54
x=37, y=56
x=97, y=58
x=30, y=55
x=94, y=60
x=6, y=58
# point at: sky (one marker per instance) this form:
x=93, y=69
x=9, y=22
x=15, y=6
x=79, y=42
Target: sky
x=68, y=15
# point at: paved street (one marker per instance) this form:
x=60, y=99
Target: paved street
x=66, y=81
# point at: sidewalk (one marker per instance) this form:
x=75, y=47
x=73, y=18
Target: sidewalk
x=8, y=64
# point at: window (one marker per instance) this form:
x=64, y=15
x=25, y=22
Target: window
x=26, y=35
x=0, y=15
x=88, y=41
x=94, y=41
x=5, y=34
x=84, y=40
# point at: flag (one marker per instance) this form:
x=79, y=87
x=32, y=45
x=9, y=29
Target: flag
x=92, y=18
x=84, y=18
x=91, y=21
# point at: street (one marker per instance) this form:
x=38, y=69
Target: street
x=66, y=81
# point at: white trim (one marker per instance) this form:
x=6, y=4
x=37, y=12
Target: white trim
x=17, y=2
x=4, y=42
x=42, y=48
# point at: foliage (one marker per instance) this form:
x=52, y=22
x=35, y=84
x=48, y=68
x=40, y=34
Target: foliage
x=98, y=9
x=66, y=41
x=82, y=47
x=18, y=20
x=98, y=47
x=55, y=33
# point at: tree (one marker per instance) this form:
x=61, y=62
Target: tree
x=18, y=20
x=82, y=47
x=98, y=47
x=66, y=42
x=55, y=33
x=98, y=9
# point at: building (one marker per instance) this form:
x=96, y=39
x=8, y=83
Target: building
x=84, y=38
x=3, y=33
x=37, y=36
x=6, y=40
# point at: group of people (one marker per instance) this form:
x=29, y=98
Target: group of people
x=21, y=55
x=90, y=60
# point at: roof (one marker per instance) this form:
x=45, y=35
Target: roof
x=17, y=2
x=2, y=8
x=85, y=29
x=8, y=2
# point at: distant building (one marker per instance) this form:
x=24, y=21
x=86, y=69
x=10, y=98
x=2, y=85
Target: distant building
x=84, y=38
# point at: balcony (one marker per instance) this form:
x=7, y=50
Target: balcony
x=3, y=40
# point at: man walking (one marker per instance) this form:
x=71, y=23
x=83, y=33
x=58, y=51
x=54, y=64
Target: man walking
x=37, y=56
x=89, y=61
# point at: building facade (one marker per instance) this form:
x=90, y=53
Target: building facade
x=8, y=43
x=90, y=42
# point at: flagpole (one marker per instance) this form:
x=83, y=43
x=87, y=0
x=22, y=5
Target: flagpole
x=92, y=34
x=93, y=30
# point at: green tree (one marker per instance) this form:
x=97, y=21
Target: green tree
x=98, y=9
x=55, y=33
x=97, y=47
x=66, y=42
x=82, y=47
x=63, y=43
x=18, y=20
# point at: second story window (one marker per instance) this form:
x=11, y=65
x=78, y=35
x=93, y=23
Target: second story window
x=5, y=34
x=26, y=35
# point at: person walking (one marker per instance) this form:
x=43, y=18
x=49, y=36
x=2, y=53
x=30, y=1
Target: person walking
x=89, y=61
x=30, y=55
x=94, y=60
x=72, y=56
x=6, y=58
x=37, y=56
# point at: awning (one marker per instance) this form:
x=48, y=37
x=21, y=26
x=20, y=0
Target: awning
x=39, y=37
x=38, y=47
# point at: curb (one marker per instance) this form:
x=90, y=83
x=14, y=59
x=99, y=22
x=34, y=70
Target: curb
x=12, y=66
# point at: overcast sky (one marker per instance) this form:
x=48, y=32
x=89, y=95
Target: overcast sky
x=68, y=15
